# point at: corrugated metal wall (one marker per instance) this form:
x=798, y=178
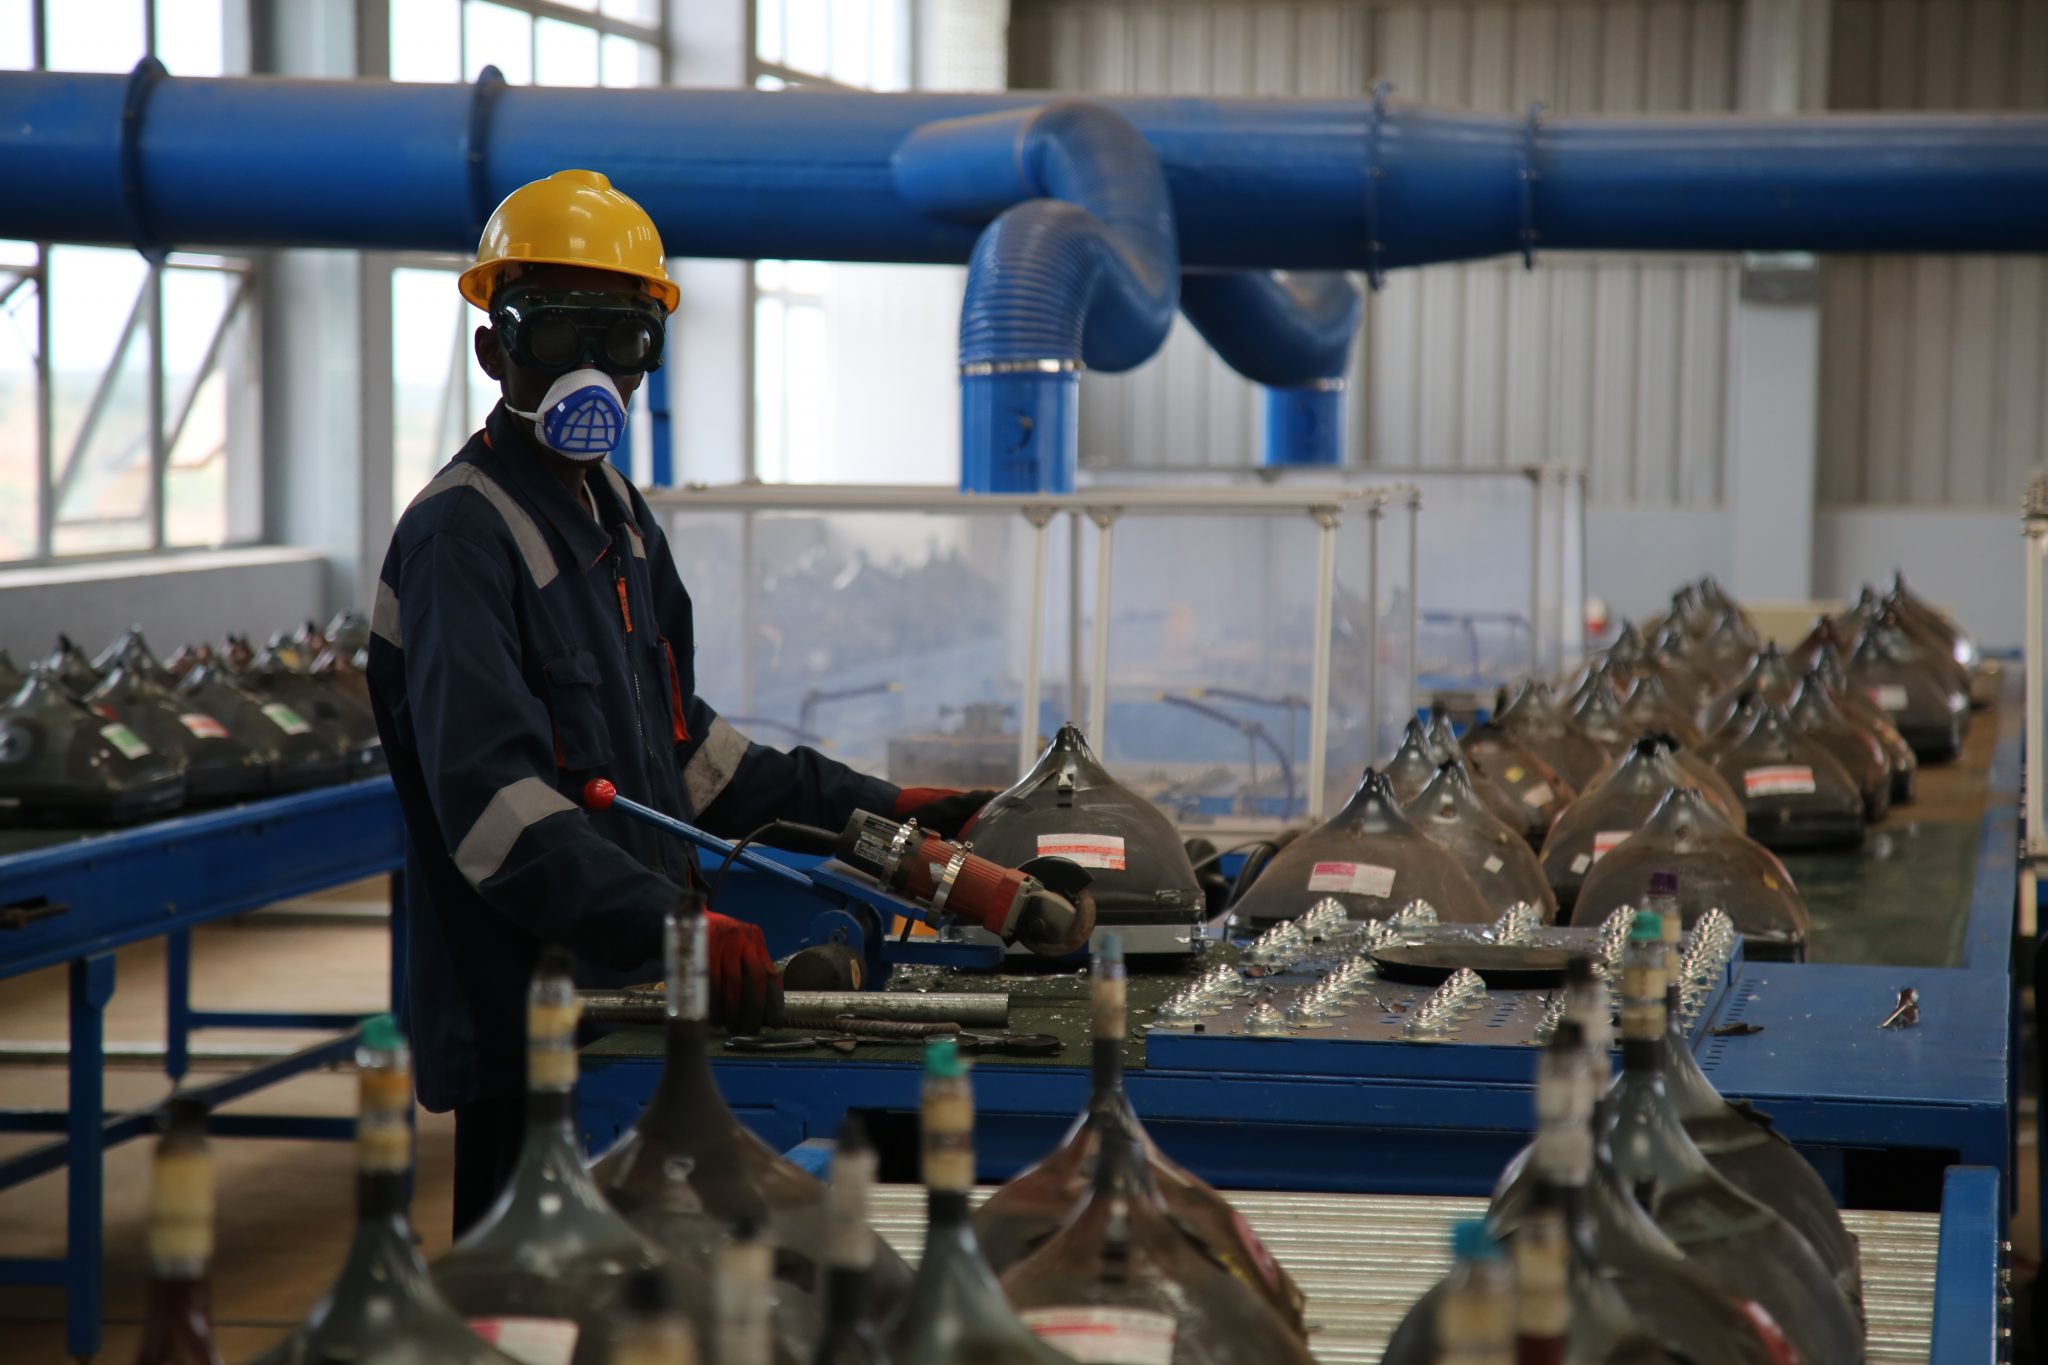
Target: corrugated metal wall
x=1617, y=364
x=1934, y=369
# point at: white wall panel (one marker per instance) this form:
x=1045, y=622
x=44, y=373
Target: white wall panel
x=1618, y=364
x=1934, y=368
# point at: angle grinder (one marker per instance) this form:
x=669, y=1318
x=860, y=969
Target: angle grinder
x=1044, y=904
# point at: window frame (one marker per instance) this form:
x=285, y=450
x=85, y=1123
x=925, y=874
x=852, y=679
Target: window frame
x=170, y=400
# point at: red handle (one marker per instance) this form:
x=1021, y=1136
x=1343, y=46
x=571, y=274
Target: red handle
x=598, y=794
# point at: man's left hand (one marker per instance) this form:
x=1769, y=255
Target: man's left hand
x=942, y=810
x=745, y=990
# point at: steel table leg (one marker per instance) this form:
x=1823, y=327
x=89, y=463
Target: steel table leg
x=92, y=986
x=177, y=1003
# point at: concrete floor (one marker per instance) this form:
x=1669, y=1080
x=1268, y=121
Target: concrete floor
x=286, y=1208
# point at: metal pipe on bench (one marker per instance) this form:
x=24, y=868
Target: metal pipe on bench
x=990, y=1009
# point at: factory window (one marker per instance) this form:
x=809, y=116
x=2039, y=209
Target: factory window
x=128, y=417
x=829, y=337
x=439, y=396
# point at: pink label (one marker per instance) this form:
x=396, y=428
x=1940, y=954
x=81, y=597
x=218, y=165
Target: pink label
x=1356, y=879
x=1785, y=779
x=203, y=726
x=1089, y=850
x=531, y=1341
x=1605, y=841
x=1105, y=1336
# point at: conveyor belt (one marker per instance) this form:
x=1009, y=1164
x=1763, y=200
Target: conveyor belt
x=1363, y=1259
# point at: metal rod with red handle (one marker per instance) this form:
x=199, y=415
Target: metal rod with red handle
x=600, y=795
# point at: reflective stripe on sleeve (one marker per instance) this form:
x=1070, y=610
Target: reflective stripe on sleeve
x=384, y=616
x=514, y=810
x=713, y=765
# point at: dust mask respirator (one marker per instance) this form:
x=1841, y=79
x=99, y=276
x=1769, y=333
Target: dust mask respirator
x=581, y=415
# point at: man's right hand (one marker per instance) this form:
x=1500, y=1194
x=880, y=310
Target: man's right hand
x=745, y=989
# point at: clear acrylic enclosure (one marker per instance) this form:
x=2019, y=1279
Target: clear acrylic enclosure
x=1215, y=644
x=1499, y=567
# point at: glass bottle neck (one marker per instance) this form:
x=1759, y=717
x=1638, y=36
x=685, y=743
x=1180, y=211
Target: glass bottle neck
x=383, y=1196
x=1107, y=1070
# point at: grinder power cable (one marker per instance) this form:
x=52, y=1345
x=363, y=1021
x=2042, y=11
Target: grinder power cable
x=1044, y=904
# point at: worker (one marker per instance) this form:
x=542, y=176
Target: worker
x=529, y=633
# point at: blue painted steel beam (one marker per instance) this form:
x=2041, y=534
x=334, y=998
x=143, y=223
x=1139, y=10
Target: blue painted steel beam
x=1969, y=1294
x=89, y=1132
x=132, y=885
x=1259, y=184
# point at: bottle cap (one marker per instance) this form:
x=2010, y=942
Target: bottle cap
x=554, y=961
x=1578, y=970
x=380, y=1033
x=1472, y=1240
x=1663, y=882
x=1108, y=948
x=942, y=1060
x=1648, y=927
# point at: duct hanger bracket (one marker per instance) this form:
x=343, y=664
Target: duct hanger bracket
x=1531, y=173
x=483, y=100
x=142, y=81
x=1375, y=249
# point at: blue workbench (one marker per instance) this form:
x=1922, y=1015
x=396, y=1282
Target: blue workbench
x=75, y=902
x=1880, y=1113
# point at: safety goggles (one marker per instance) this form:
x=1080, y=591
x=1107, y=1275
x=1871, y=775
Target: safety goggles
x=555, y=331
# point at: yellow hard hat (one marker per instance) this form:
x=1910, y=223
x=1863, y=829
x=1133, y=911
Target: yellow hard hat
x=570, y=218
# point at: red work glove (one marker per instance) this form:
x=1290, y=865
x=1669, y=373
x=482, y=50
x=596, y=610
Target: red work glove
x=745, y=989
x=943, y=811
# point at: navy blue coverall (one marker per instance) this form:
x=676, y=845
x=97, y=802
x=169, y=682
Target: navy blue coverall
x=518, y=649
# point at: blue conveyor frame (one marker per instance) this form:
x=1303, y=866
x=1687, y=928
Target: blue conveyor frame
x=75, y=904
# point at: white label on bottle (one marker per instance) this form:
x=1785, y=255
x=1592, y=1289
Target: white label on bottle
x=203, y=726
x=126, y=740
x=1581, y=863
x=533, y=1341
x=286, y=719
x=1538, y=795
x=1089, y=850
x=1891, y=696
x=1784, y=779
x=1493, y=863
x=1607, y=840
x=1357, y=879
x=1105, y=1336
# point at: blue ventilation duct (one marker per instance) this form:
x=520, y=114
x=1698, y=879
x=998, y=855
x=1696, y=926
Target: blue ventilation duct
x=1079, y=267
x=154, y=160
x=1291, y=333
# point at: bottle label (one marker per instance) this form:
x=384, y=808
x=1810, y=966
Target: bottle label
x=1542, y=1293
x=532, y=1341
x=948, y=1137
x=383, y=1138
x=848, y=1242
x=1103, y=851
x=1784, y=779
x=1607, y=840
x=740, y=1302
x=1107, y=1000
x=1105, y=1336
x=1538, y=795
x=1890, y=696
x=286, y=719
x=1357, y=879
x=181, y=1209
x=202, y=726
x=689, y=979
x=551, y=1045
x=126, y=740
